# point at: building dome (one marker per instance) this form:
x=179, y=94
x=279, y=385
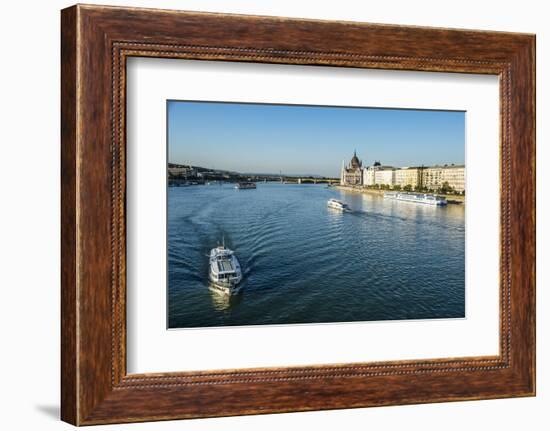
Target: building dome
x=355, y=162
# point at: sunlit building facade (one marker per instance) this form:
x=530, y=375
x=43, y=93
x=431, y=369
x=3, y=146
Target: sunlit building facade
x=417, y=177
x=352, y=174
x=408, y=177
x=385, y=176
x=434, y=177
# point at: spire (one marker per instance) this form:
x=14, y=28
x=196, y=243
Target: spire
x=355, y=163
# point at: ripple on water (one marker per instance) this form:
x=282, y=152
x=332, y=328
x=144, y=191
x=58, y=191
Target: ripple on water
x=304, y=263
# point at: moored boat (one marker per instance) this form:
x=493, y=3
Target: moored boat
x=225, y=270
x=245, y=185
x=420, y=198
x=338, y=205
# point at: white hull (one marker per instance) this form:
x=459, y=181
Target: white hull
x=224, y=288
x=337, y=205
x=225, y=271
x=245, y=186
x=424, y=199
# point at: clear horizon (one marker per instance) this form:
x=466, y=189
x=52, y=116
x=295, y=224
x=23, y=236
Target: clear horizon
x=309, y=140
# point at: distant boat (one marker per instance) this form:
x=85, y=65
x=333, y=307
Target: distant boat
x=338, y=205
x=225, y=271
x=420, y=198
x=178, y=184
x=245, y=185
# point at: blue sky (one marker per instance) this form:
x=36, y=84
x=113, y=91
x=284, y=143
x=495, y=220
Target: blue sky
x=296, y=139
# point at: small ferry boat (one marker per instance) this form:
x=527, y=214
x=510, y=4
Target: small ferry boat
x=225, y=271
x=245, y=185
x=338, y=205
x=421, y=198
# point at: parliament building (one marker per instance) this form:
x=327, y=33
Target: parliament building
x=352, y=174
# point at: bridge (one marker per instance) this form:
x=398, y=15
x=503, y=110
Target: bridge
x=288, y=179
x=179, y=181
x=308, y=180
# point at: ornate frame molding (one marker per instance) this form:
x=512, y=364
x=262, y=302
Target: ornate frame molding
x=96, y=41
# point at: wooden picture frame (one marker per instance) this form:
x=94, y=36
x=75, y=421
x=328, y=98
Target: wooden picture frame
x=95, y=43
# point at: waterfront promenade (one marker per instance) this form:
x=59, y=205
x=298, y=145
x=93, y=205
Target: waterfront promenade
x=452, y=199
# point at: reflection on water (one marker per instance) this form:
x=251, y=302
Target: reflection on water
x=222, y=301
x=303, y=262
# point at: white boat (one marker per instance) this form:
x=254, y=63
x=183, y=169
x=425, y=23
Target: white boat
x=225, y=271
x=420, y=198
x=245, y=185
x=338, y=205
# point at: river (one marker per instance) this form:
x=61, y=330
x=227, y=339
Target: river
x=305, y=263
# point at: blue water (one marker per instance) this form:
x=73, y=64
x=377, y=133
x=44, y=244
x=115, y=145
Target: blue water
x=305, y=263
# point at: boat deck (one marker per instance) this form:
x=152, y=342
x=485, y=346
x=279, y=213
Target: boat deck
x=225, y=266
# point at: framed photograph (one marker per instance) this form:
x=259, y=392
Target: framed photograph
x=264, y=215
x=324, y=242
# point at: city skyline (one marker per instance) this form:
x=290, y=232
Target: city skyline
x=309, y=140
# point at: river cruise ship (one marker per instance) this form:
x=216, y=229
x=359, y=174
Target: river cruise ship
x=338, y=205
x=225, y=271
x=419, y=198
x=245, y=185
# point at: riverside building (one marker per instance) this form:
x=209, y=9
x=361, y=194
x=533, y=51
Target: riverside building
x=181, y=171
x=434, y=177
x=385, y=176
x=352, y=174
x=417, y=177
x=408, y=177
x=378, y=174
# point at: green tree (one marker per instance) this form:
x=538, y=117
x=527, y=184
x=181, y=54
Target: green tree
x=408, y=188
x=397, y=187
x=445, y=188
